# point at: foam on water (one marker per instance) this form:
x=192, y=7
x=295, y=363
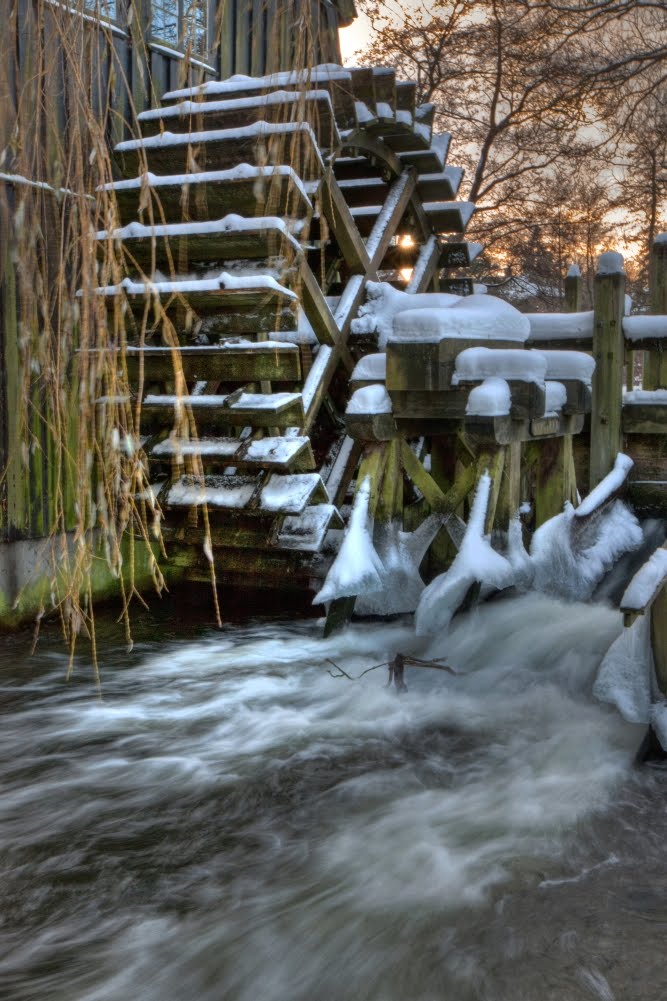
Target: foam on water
x=233, y=822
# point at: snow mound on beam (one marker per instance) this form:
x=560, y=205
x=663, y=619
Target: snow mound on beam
x=477, y=317
x=372, y=399
x=384, y=302
x=474, y=364
x=492, y=398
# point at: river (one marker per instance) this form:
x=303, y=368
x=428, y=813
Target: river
x=232, y=823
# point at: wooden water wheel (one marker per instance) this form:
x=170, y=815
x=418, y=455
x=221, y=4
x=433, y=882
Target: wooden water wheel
x=253, y=213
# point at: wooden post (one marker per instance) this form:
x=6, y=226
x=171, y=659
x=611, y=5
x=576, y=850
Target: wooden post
x=553, y=476
x=659, y=639
x=573, y=289
x=608, y=351
x=655, y=362
x=139, y=29
x=509, y=498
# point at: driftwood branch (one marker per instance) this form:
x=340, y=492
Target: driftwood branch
x=396, y=668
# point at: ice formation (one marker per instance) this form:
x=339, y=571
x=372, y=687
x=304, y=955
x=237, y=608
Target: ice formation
x=475, y=562
x=357, y=567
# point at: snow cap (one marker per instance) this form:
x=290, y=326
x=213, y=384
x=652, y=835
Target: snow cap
x=610, y=263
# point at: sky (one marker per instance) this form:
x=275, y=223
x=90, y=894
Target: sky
x=357, y=36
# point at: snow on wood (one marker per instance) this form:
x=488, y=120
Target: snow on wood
x=263, y=401
x=242, y=171
x=357, y=566
x=223, y=282
x=425, y=255
x=610, y=263
x=475, y=562
x=440, y=145
x=231, y=223
x=475, y=364
x=165, y=50
x=203, y=400
x=370, y=368
x=237, y=104
x=574, y=271
x=480, y=317
x=492, y=398
x=343, y=307
x=384, y=302
x=289, y=493
x=636, y=328
x=259, y=130
x=372, y=399
x=607, y=487
x=560, y=326
x=277, y=450
x=323, y=73
x=464, y=209
x=224, y=448
x=215, y=491
x=646, y=397
x=392, y=200
x=335, y=477
x=569, y=365
x=384, y=110
x=316, y=374
x=306, y=531
x=555, y=398
x=646, y=583
x=364, y=115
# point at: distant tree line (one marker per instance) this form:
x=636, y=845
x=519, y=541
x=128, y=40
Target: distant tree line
x=558, y=112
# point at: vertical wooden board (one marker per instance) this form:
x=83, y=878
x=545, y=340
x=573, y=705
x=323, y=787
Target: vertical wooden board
x=509, y=498
x=493, y=463
x=573, y=293
x=339, y=614
x=608, y=351
x=16, y=485
x=372, y=466
x=655, y=362
x=659, y=639
x=390, y=500
x=258, y=58
x=242, y=38
x=226, y=36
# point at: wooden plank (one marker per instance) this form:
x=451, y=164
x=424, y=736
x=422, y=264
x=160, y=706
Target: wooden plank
x=644, y=418
x=208, y=197
x=161, y=412
x=289, y=144
x=217, y=312
x=339, y=217
x=608, y=351
x=228, y=362
x=285, y=455
x=390, y=500
x=655, y=362
x=187, y=249
x=203, y=116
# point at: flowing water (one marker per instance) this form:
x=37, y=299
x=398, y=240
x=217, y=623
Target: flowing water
x=233, y=823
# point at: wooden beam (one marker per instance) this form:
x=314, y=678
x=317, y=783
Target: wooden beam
x=608, y=351
x=398, y=199
x=320, y=316
x=655, y=362
x=344, y=228
x=439, y=502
